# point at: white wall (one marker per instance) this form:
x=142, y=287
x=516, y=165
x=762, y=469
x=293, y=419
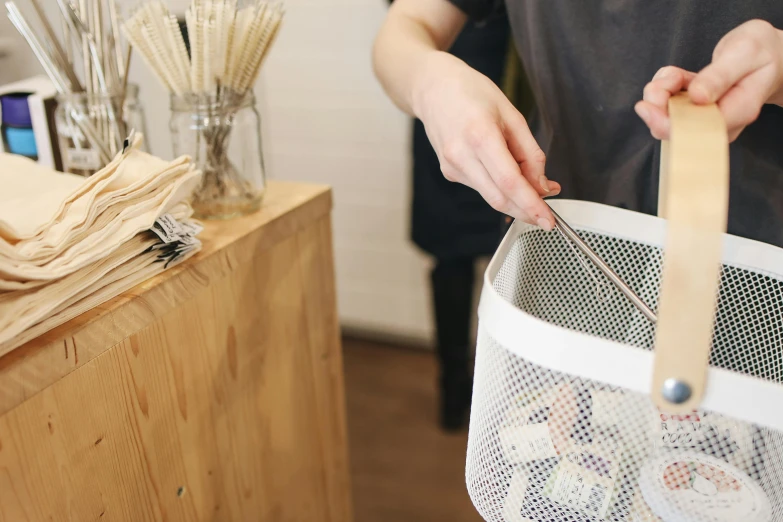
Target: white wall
x=326, y=120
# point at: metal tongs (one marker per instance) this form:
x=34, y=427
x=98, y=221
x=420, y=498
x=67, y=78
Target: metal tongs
x=571, y=235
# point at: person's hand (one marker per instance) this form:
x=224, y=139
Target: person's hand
x=482, y=141
x=746, y=72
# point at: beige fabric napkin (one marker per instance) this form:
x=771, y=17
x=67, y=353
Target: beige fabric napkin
x=181, y=211
x=131, y=174
x=69, y=243
x=93, y=217
x=64, y=233
x=30, y=190
x=120, y=280
x=22, y=309
x=32, y=198
x=101, y=242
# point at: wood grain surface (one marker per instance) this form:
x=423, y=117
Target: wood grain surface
x=404, y=467
x=288, y=207
x=213, y=392
x=696, y=199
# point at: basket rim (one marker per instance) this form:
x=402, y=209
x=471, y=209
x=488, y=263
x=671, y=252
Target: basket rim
x=744, y=397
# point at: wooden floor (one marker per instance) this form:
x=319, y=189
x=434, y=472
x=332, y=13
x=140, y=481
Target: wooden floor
x=404, y=469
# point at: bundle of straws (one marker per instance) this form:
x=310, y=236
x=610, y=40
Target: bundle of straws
x=90, y=45
x=227, y=45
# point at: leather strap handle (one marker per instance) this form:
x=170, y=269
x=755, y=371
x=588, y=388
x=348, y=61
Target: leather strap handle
x=694, y=193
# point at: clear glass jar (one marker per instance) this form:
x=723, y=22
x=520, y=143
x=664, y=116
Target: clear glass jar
x=92, y=127
x=133, y=114
x=223, y=138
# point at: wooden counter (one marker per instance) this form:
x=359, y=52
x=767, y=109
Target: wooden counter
x=213, y=392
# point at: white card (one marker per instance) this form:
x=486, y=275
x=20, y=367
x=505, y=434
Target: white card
x=526, y=443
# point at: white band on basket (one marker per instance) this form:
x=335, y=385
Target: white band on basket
x=560, y=349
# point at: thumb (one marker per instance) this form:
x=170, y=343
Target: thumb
x=737, y=58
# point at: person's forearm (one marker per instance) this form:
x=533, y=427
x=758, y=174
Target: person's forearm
x=406, y=42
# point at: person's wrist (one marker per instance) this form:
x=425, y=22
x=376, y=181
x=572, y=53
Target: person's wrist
x=427, y=75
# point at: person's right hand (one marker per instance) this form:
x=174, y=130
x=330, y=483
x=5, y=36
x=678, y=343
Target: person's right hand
x=482, y=141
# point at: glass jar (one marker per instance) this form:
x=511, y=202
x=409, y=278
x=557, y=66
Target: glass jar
x=223, y=138
x=92, y=127
x=133, y=114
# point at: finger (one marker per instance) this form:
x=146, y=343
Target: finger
x=655, y=118
x=734, y=134
x=525, y=150
x=672, y=72
x=668, y=81
x=459, y=164
x=737, y=59
x=482, y=182
x=494, y=154
x=553, y=187
x=742, y=104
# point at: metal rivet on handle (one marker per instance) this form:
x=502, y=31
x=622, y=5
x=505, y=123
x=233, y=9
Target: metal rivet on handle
x=676, y=391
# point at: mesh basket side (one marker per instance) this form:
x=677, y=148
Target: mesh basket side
x=548, y=446
x=545, y=446
x=542, y=276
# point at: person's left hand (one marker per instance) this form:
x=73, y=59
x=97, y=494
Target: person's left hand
x=746, y=72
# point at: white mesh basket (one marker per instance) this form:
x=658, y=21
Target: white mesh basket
x=563, y=426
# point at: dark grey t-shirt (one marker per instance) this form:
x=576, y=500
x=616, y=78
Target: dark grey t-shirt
x=587, y=63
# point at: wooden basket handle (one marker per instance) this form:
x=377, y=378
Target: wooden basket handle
x=694, y=194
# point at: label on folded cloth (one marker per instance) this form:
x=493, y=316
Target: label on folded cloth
x=83, y=159
x=192, y=227
x=188, y=240
x=167, y=228
x=178, y=239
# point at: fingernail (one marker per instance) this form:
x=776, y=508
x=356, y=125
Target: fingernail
x=545, y=224
x=642, y=111
x=544, y=184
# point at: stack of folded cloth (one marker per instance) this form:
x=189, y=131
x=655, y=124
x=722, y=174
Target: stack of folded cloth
x=68, y=243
